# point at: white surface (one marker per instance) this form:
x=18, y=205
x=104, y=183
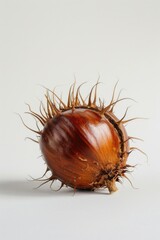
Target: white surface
x=46, y=43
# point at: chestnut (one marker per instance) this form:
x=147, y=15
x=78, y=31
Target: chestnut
x=84, y=145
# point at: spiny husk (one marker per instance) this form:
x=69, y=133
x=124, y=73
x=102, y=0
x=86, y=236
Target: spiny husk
x=55, y=108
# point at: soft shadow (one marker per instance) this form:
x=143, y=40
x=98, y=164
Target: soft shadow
x=25, y=188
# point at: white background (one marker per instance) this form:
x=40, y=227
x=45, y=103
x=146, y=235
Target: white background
x=47, y=43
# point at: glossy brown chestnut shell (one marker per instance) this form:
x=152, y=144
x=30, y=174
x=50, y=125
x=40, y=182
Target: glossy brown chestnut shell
x=84, y=145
